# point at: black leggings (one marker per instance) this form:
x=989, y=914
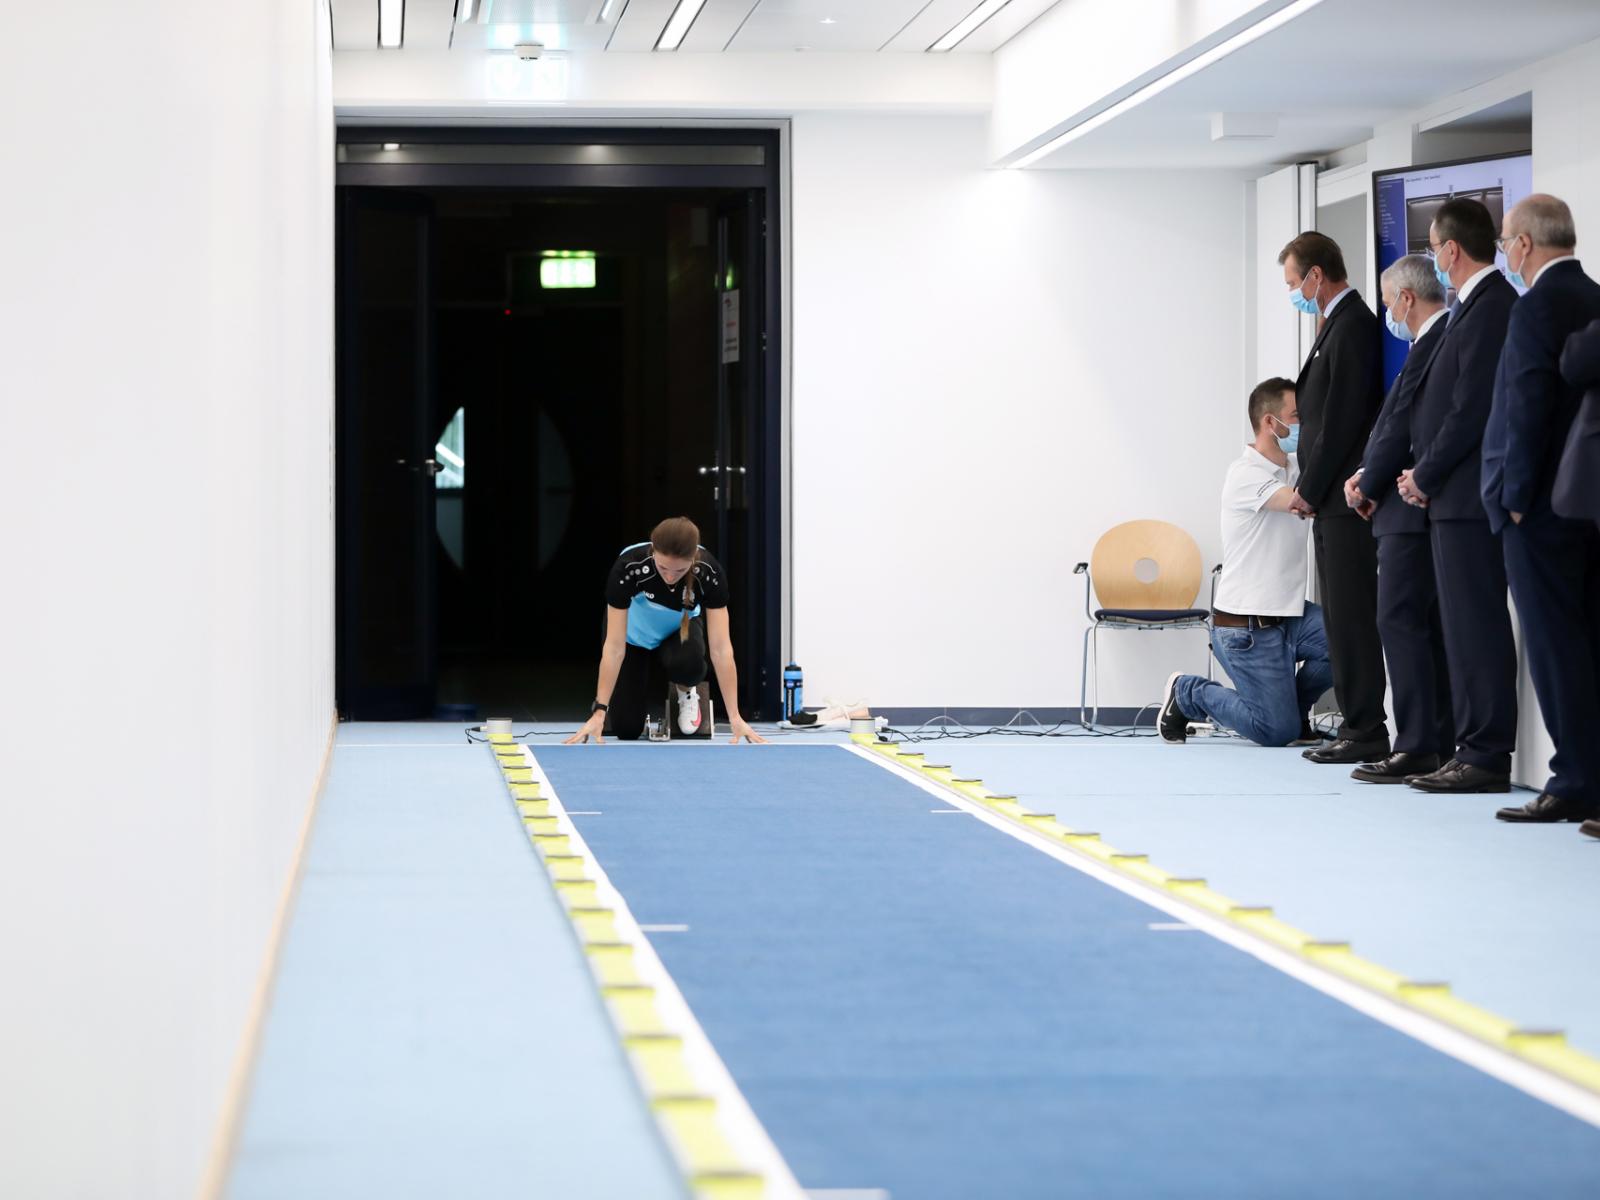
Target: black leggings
x=681, y=662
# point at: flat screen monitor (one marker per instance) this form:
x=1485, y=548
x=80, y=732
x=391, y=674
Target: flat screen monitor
x=1405, y=200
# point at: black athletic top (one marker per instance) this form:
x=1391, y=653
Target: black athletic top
x=655, y=611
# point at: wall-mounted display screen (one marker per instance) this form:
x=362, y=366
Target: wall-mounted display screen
x=1406, y=199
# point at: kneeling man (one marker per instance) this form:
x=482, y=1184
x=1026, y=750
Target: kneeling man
x=1265, y=634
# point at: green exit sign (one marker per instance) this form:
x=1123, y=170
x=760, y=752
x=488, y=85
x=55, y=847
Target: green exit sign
x=566, y=269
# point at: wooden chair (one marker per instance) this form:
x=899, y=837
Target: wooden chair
x=1146, y=575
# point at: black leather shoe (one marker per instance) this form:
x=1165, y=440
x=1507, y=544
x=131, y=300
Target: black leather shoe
x=1547, y=809
x=1171, y=723
x=1462, y=777
x=1592, y=828
x=1346, y=751
x=1397, y=768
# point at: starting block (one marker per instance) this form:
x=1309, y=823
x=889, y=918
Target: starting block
x=667, y=730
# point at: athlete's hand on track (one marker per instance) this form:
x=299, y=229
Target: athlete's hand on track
x=591, y=729
x=741, y=729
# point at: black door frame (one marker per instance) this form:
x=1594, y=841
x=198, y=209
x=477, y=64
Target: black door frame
x=700, y=158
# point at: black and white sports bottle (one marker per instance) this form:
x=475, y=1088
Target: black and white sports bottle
x=793, y=701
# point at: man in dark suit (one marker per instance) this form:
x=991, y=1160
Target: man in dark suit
x=1448, y=418
x=1408, y=603
x=1577, y=490
x=1552, y=562
x=1339, y=392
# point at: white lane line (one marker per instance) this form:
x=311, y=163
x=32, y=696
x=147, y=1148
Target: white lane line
x=962, y=811
x=742, y=1127
x=1555, y=1091
x=663, y=929
x=1171, y=927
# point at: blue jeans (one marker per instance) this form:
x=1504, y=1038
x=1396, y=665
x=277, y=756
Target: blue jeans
x=1273, y=698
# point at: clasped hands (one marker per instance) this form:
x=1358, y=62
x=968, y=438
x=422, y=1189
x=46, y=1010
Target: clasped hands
x=1299, y=507
x=1365, y=506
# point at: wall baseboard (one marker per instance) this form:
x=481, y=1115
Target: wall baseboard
x=229, y=1121
x=983, y=718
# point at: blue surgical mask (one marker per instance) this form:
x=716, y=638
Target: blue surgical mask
x=1442, y=275
x=1515, y=277
x=1398, y=329
x=1291, y=441
x=1297, y=297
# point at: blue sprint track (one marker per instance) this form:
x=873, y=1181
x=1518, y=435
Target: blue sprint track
x=915, y=1002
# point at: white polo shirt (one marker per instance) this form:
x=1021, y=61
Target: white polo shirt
x=1264, y=557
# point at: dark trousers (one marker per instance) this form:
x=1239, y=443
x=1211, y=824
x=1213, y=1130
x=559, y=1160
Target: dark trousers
x=643, y=672
x=1347, y=578
x=1469, y=568
x=1553, y=566
x=1413, y=645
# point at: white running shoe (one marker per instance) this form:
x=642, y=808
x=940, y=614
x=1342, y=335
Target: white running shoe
x=689, y=710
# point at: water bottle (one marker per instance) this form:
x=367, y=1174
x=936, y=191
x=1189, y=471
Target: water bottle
x=793, y=702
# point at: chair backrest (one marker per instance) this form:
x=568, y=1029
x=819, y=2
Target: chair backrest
x=1152, y=548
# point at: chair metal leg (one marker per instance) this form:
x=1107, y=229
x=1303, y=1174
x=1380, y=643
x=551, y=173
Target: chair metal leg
x=1083, y=682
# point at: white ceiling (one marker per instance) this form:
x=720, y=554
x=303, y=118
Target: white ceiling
x=1331, y=76
x=732, y=26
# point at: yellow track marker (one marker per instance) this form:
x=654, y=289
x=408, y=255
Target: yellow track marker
x=1547, y=1049
x=689, y=1121
x=576, y=893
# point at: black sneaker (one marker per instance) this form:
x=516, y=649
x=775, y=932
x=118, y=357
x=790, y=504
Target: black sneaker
x=1174, y=726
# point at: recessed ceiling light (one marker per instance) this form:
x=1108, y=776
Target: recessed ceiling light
x=391, y=145
x=606, y=10
x=391, y=18
x=678, y=24
x=972, y=20
x=829, y=21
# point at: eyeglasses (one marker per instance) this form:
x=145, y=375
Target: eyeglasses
x=1500, y=243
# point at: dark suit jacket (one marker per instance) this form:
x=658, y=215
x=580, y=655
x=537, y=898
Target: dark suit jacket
x=1577, y=489
x=1533, y=406
x=1452, y=403
x=1339, y=392
x=1388, y=450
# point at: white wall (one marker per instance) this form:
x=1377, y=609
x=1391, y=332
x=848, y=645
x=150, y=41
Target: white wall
x=165, y=310
x=990, y=369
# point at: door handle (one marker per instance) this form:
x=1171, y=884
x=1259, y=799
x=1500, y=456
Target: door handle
x=715, y=470
x=428, y=466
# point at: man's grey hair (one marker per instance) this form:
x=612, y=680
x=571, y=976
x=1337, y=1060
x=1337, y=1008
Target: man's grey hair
x=1415, y=274
x=1547, y=220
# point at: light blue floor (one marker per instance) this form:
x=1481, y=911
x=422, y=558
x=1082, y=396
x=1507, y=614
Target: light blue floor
x=434, y=1030
x=1431, y=886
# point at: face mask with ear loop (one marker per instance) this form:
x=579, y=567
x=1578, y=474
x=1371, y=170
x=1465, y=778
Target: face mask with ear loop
x=1515, y=277
x=1290, y=442
x=1297, y=297
x=1398, y=329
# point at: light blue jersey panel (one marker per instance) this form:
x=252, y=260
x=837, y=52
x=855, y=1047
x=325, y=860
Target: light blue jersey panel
x=650, y=624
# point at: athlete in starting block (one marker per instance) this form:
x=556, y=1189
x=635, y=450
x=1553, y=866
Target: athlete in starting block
x=666, y=604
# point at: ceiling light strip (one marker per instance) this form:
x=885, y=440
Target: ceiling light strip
x=678, y=24
x=607, y=9
x=464, y=11
x=973, y=19
x=1177, y=75
x=391, y=23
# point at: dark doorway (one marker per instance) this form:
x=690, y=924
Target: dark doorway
x=530, y=376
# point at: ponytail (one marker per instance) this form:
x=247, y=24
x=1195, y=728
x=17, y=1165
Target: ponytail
x=679, y=537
